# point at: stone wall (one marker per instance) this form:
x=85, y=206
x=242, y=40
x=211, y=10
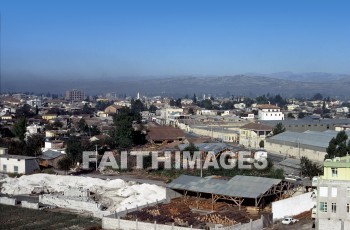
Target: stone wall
x=7, y=201
x=26, y=204
x=65, y=202
x=126, y=211
x=252, y=225
x=117, y=223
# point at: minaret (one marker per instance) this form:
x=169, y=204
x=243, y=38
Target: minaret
x=138, y=96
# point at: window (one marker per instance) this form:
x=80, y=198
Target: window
x=334, y=207
x=323, y=206
x=15, y=169
x=347, y=208
x=324, y=191
x=334, y=172
x=4, y=168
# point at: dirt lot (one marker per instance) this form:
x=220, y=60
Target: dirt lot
x=304, y=224
x=21, y=218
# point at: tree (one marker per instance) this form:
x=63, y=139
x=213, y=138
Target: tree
x=178, y=103
x=19, y=128
x=301, y=115
x=87, y=109
x=338, y=146
x=74, y=150
x=310, y=169
x=57, y=124
x=137, y=106
x=172, y=102
x=33, y=144
x=122, y=133
x=248, y=101
x=82, y=126
x=65, y=164
x=152, y=108
x=261, y=144
x=279, y=128
x=207, y=104
x=93, y=130
x=290, y=115
x=262, y=99
x=317, y=97
x=24, y=111
x=194, y=98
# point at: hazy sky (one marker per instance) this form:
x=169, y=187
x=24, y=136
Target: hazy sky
x=169, y=38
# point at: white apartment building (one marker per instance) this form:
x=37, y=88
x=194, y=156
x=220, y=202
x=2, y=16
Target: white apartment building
x=267, y=112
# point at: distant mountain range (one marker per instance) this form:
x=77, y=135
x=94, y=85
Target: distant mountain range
x=286, y=83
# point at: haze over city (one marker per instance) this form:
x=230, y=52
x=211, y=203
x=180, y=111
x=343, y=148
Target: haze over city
x=123, y=40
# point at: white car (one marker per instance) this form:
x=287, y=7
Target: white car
x=289, y=220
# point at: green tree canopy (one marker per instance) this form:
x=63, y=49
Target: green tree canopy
x=74, y=150
x=338, y=146
x=33, y=144
x=279, y=128
x=19, y=128
x=310, y=169
x=65, y=164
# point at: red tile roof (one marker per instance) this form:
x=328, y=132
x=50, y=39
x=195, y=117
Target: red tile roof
x=267, y=106
x=161, y=133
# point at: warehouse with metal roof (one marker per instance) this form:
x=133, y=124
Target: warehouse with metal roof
x=237, y=189
x=311, y=144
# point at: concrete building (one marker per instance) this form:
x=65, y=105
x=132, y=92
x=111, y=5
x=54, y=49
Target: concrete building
x=75, y=95
x=310, y=144
x=267, y=112
x=17, y=164
x=332, y=198
x=221, y=133
x=168, y=114
x=251, y=134
x=311, y=123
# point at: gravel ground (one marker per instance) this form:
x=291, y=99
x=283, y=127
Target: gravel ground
x=303, y=224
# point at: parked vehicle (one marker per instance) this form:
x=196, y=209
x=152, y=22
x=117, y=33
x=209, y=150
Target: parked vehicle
x=289, y=220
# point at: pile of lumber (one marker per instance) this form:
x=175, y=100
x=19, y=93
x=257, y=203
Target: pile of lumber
x=217, y=218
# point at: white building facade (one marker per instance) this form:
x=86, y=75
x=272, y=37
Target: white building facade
x=269, y=112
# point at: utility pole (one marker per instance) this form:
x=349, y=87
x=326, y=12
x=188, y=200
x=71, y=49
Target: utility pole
x=201, y=165
x=298, y=147
x=96, y=157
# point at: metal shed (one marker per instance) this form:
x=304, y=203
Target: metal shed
x=237, y=189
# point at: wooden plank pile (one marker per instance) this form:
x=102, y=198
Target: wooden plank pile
x=179, y=212
x=217, y=218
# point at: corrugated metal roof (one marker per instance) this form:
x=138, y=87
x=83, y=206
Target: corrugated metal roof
x=50, y=154
x=238, y=186
x=311, y=138
x=210, y=147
